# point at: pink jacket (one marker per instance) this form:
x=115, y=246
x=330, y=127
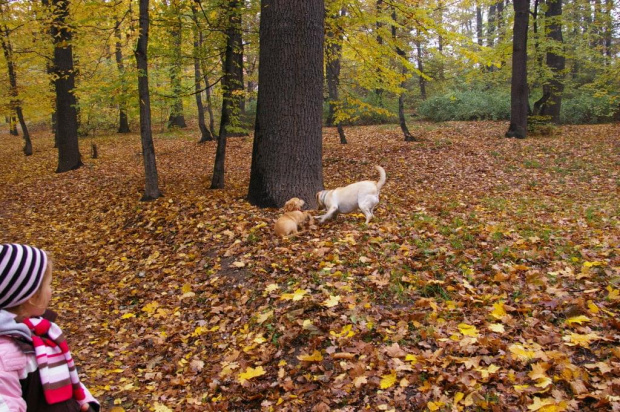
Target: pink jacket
x=16, y=365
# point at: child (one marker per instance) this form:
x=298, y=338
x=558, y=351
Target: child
x=37, y=372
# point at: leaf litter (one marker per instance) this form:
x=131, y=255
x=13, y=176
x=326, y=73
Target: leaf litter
x=488, y=279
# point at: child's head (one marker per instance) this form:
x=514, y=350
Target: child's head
x=25, y=280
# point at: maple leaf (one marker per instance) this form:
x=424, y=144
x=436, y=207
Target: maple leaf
x=158, y=407
x=497, y=327
x=547, y=405
x=295, y=296
x=583, y=340
x=468, y=330
x=521, y=353
x=498, y=311
x=387, y=381
x=331, y=302
x=271, y=287
x=315, y=357
x=434, y=406
x=250, y=373
x=264, y=316
x=577, y=319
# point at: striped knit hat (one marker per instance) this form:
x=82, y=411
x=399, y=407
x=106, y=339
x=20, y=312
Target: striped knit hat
x=21, y=271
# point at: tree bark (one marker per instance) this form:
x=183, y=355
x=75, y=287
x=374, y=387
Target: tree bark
x=555, y=61
x=232, y=85
x=286, y=157
x=401, y=97
x=69, y=157
x=205, y=133
x=518, y=89
x=151, y=191
x=13, y=91
x=176, y=118
x=333, y=54
x=123, y=121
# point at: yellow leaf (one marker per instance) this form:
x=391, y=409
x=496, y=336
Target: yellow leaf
x=577, y=319
x=468, y=330
x=387, y=381
x=186, y=288
x=497, y=327
x=150, y=307
x=128, y=315
x=614, y=294
x=498, y=311
x=315, y=357
x=346, y=332
x=271, y=287
x=521, y=353
x=412, y=358
x=434, y=406
x=331, y=302
x=117, y=409
x=251, y=373
x=295, y=296
x=158, y=407
x=238, y=264
x=521, y=388
x=458, y=396
x=583, y=340
x=547, y=405
x=593, y=308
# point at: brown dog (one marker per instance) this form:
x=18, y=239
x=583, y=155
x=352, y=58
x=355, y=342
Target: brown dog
x=294, y=203
x=289, y=223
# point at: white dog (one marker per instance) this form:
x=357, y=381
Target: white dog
x=361, y=195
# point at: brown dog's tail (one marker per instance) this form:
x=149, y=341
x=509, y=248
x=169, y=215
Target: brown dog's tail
x=382, y=177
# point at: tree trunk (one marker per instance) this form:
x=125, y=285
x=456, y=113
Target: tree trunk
x=333, y=54
x=518, y=90
x=555, y=61
x=286, y=157
x=422, y=80
x=151, y=191
x=232, y=85
x=13, y=125
x=176, y=118
x=123, y=121
x=15, y=104
x=205, y=134
x=401, y=97
x=479, y=30
x=69, y=157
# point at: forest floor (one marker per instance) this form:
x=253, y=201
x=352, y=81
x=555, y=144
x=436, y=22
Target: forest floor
x=488, y=279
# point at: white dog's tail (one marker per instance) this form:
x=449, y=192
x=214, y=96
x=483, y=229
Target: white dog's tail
x=381, y=181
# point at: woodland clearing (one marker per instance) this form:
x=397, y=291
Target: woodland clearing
x=488, y=279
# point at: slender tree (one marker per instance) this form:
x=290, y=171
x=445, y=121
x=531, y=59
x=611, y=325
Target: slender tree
x=518, y=90
x=176, y=118
x=15, y=103
x=286, y=157
x=151, y=191
x=333, y=55
x=232, y=85
x=63, y=72
x=205, y=133
x=401, y=95
x=123, y=121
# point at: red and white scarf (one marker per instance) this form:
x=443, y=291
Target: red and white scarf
x=58, y=373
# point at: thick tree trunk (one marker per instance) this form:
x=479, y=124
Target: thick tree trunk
x=151, y=191
x=518, y=90
x=286, y=157
x=555, y=61
x=123, y=121
x=69, y=157
x=232, y=85
x=479, y=30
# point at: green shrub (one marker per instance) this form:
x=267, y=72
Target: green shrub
x=467, y=105
x=586, y=108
